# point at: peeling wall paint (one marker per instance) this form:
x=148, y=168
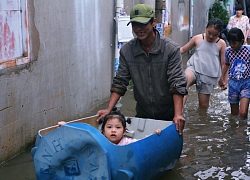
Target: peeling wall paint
x=10, y=29
x=12, y=49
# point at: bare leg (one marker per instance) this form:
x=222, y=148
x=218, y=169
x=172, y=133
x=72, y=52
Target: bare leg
x=190, y=82
x=234, y=109
x=244, y=104
x=203, y=100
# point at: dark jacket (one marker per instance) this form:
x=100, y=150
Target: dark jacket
x=156, y=77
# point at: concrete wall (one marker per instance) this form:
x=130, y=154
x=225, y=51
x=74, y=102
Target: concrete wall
x=72, y=54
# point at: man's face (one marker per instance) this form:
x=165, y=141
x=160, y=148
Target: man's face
x=143, y=31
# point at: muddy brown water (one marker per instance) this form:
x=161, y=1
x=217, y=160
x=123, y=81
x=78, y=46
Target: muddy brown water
x=216, y=144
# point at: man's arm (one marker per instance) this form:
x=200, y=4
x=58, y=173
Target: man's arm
x=119, y=85
x=178, y=113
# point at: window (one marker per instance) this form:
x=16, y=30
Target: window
x=14, y=41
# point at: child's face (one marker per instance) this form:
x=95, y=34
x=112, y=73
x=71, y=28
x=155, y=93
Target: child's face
x=113, y=130
x=212, y=34
x=235, y=45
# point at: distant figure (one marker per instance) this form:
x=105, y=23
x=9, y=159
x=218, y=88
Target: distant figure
x=238, y=62
x=204, y=66
x=154, y=65
x=240, y=21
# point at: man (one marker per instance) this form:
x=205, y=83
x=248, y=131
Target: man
x=154, y=65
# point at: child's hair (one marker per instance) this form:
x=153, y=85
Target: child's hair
x=216, y=23
x=235, y=34
x=115, y=113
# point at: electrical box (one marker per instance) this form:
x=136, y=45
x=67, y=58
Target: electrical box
x=124, y=31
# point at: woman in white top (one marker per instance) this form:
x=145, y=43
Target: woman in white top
x=239, y=21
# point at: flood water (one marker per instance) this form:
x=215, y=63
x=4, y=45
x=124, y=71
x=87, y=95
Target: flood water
x=216, y=145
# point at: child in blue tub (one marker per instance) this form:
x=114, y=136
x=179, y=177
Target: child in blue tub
x=114, y=128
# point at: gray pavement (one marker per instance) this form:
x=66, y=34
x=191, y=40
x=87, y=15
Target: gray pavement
x=20, y=167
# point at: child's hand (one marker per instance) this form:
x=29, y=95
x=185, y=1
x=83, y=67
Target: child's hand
x=223, y=87
x=222, y=84
x=158, y=131
x=61, y=123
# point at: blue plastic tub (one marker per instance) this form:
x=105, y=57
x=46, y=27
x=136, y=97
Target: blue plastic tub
x=80, y=151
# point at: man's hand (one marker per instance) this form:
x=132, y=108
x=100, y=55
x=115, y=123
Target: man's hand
x=112, y=102
x=102, y=113
x=179, y=122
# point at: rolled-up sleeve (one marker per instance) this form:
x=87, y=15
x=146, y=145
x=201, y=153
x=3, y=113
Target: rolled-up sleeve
x=122, y=78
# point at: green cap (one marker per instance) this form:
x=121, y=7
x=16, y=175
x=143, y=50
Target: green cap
x=141, y=13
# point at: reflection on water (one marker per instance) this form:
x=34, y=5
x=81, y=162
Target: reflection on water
x=216, y=144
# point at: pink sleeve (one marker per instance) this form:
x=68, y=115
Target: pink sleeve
x=126, y=140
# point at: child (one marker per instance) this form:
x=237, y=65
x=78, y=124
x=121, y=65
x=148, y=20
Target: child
x=237, y=60
x=114, y=128
x=204, y=66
